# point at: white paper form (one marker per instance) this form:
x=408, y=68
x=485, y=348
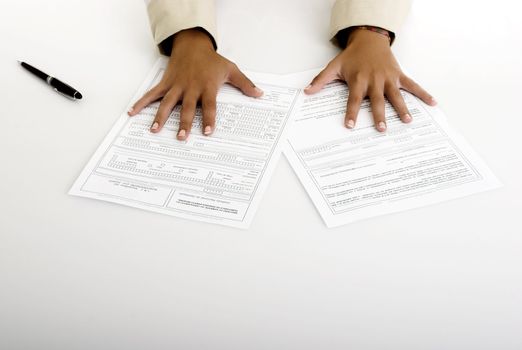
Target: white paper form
x=217, y=179
x=357, y=174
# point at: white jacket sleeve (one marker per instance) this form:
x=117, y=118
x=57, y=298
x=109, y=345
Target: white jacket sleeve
x=386, y=14
x=167, y=17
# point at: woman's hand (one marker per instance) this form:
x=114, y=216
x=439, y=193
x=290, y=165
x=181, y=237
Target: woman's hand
x=194, y=74
x=369, y=68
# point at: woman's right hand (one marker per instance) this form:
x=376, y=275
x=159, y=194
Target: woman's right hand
x=194, y=74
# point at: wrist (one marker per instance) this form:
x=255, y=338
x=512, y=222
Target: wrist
x=383, y=32
x=194, y=38
x=364, y=35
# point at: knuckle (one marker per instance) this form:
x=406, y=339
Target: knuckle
x=404, y=83
x=232, y=66
x=392, y=86
x=209, y=109
x=185, y=123
x=404, y=78
x=375, y=93
x=211, y=88
x=191, y=90
x=395, y=95
x=249, y=82
x=400, y=108
x=377, y=82
x=189, y=102
x=162, y=115
x=168, y=97
x=209, y=117
x=163, y=107
x=357, y=77
x=355, y=97
x=161, y=88
x=414, y=85
x=186, y=113
x=209, y=104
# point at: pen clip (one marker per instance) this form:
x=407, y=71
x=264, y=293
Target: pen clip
x=65, y=95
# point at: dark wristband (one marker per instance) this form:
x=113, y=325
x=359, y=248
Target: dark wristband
x=166, y=45
x=344, y=35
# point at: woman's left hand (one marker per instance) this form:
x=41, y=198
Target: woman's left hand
x=370, y=69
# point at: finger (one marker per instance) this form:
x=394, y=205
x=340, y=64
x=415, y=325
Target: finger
x=377, y=102
x=188, y=111
x=152, y=95
x=411, y=86
x=396, y=99
x=355, y=98
x=326, y=76
x=166, y=106
x=240, y=80
x=208, y=104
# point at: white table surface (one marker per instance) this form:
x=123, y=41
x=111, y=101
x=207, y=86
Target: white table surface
x=84, y=274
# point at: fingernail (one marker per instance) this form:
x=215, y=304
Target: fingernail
x=154, y=126
x=259, y=91
x=208, y=130
x=406, y=118
x=308, y=87
x=350, y=124
x=382, y=126
x=433, y=101
x=182, y=133
x=130, y=110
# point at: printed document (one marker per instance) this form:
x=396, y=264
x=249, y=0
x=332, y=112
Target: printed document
x=217, y=179
x=361, y=173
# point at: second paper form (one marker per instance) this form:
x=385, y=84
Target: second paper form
x=356, y=174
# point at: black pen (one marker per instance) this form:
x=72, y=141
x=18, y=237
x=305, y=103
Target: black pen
x=57, y=85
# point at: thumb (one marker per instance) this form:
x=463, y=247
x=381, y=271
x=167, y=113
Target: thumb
x=239, y=80
x=326, y=76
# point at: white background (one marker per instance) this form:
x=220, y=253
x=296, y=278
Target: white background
x=84, y=274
